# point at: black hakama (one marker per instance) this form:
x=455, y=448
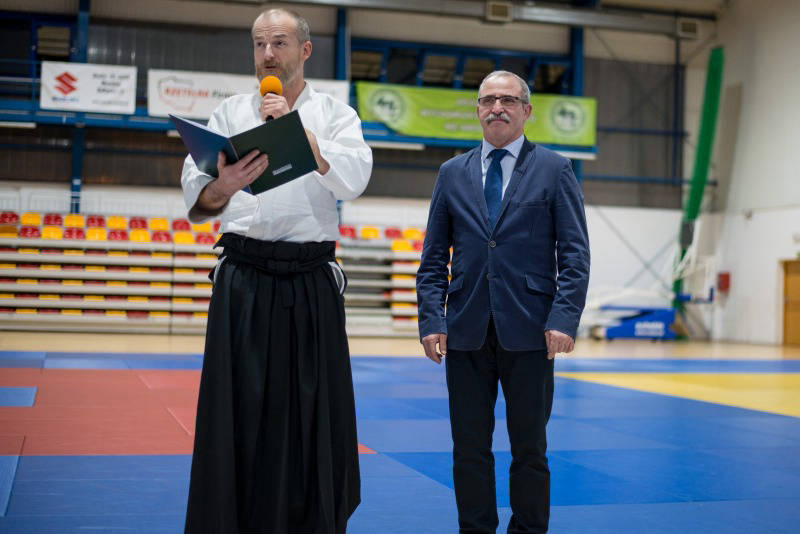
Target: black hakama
x=275, y=446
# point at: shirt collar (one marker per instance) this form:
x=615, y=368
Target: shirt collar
x=306, y=94
x=513, y=147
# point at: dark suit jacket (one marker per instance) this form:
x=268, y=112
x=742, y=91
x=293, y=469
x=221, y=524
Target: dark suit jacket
x=530, y=272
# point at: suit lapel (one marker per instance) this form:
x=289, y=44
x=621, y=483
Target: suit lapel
x=525, y=159
x=475, y=174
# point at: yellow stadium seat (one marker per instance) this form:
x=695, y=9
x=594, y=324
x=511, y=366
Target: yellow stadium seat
x=117, y=222
x=74, y=220
x=402, y=245
x=7, y=230
x=158, y=224
x=96, y=234
x=183, y=238
x=370, y=232
x=202, y=227
x=52, y=232
x=32, y=219
x=412, y=234
x=140, y=235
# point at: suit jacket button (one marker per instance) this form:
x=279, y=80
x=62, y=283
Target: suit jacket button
x=492, y=244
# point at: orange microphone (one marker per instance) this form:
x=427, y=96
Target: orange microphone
x=271, y=84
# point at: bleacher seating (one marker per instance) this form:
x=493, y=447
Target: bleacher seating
x=172, y=257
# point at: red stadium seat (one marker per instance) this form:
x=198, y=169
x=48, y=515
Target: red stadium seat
x=160, y=236
x=347, y=231
x=137, y=222
x=74, y=233
x=53, y=219
x=181, y=225
x=96, y=221
x=217, y=224
x=393, y=233
x=204, y=239
x=30, y=232
x=118, y=235
x=9, y=217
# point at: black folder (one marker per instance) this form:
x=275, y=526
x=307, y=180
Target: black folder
x=283, y=139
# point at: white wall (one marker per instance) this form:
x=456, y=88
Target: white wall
x=756, y=219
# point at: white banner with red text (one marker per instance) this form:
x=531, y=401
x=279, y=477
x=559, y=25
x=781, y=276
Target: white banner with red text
x=195, y=95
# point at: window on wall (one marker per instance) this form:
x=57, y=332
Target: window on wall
x=551, y=78
x=401, y=66
x=475, y=69
x=365, y=65
x=439, y=70
x=436, y=65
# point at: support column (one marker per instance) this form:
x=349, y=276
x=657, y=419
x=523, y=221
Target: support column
x=576, y=89
x=79, y=54
x=341, y=70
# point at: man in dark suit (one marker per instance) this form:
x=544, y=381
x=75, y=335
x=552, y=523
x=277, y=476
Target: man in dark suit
x=513, y=213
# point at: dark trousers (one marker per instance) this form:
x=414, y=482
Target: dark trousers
x=527, y=380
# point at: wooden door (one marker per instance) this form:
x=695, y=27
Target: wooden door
x=791, y=302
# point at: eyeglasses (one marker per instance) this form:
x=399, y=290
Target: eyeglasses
x=505, y=100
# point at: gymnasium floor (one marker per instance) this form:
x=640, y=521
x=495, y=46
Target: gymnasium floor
x=95, y=435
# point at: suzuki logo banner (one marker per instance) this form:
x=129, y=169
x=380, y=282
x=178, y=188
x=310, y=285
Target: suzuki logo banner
x=196, y=95
x=88, y=87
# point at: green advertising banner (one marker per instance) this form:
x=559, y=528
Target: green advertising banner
x=450, y=114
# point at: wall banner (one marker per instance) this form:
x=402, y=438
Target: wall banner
x=195, y=95
x=88, y=87
x=451, y=114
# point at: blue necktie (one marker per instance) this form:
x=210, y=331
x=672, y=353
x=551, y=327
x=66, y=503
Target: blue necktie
x=493, y=188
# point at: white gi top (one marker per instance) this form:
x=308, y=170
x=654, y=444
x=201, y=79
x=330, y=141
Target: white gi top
x=304, y=209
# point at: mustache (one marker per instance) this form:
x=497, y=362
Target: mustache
x=491, y=117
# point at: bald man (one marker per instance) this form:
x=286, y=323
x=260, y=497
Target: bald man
x=275, y=448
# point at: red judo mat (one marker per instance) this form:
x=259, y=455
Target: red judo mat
x=102, y=412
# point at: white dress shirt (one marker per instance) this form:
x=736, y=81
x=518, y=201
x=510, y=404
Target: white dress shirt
x=507, y=163
x=304, y=209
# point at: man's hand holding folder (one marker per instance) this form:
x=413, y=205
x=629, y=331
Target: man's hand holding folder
x=234, y=177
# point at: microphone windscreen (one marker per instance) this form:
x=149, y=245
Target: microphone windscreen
x=271, y=84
